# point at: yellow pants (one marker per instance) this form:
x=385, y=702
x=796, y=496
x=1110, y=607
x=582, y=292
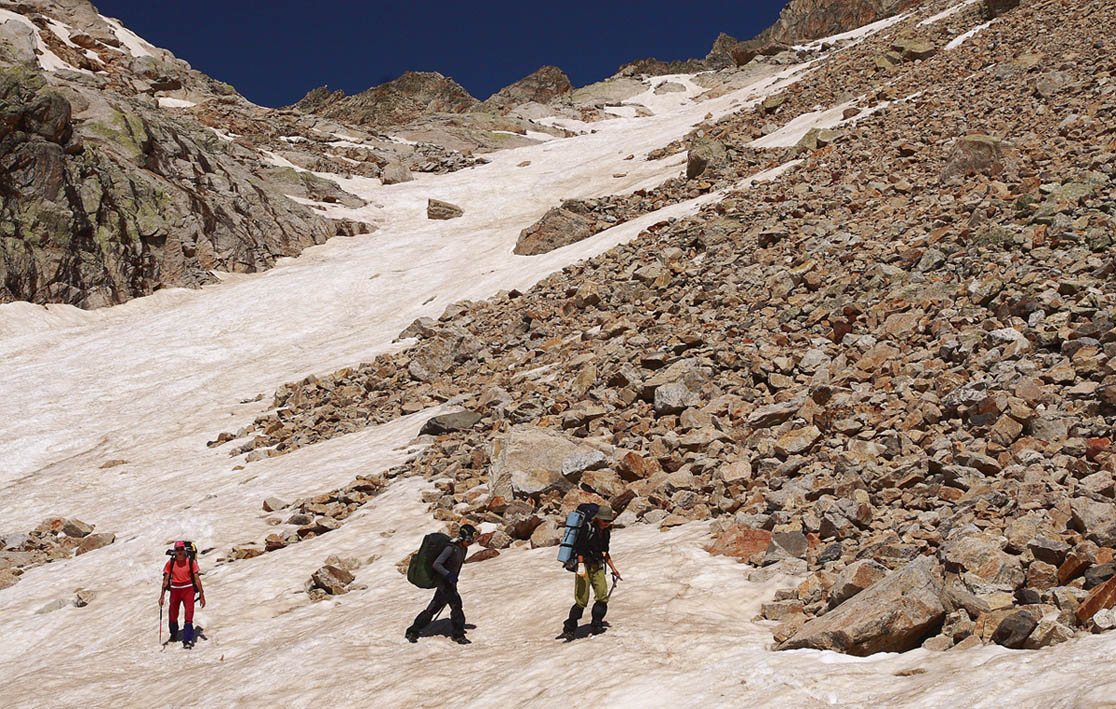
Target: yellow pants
x=595, y=576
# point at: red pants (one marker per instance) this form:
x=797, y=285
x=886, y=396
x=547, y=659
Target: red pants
x=185, y=596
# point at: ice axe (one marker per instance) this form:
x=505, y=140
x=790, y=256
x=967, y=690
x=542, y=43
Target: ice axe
x=615, y=578
x=160, y=623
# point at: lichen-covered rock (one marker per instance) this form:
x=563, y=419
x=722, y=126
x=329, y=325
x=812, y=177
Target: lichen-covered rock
x=118, y=199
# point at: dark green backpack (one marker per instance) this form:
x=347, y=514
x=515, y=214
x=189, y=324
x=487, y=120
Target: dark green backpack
x=420, y=571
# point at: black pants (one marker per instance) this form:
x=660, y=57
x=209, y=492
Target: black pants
x=446, y=594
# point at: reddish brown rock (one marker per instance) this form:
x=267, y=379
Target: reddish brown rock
x=483, y=555
x=95, y=541
x=1100, y=598
x=743, y=543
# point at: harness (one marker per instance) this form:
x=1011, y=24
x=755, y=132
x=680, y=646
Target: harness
x=193, y=579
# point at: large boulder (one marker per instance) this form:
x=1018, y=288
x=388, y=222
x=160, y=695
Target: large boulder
x=682, y=383
x=798, y=440
x=437, y=209
x=449, y=423
x=973, y=154
x=558, y=227
x=995, y=8
x=547, y=534
x=894, y=615
x=529, y=460
x=76, y=528
x=334, y=580
x=395, y=173
x=1096, y=520
x=913, y=48
x=745, y=544
x=1014, y=630
x=854, y=578
x=703, y=154
x=1100, y=598
x=981, y=557
x=95, y=541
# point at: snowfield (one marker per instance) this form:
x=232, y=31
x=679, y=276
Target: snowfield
x=151, y=381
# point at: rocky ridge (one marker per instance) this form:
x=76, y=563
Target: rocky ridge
x=892, y=369
x=106, y=194
x=126, y=171
x=812, y=19
x=393, y=103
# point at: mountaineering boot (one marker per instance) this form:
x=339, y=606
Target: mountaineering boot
x=569, y=628
x=188, y=636
x=461, y=640
x=599, y=610
x=173, y=633
x=411, y=635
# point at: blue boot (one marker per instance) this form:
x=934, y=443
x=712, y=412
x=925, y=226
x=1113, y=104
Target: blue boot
x=188, y=635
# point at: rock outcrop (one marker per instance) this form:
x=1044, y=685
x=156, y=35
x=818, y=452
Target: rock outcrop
x=413, y=95
x=111, y=188
x=543, y=86
x=812, y=19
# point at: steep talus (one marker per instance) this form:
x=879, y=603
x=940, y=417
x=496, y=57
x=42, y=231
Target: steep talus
x=876, y=364
x=892, y=368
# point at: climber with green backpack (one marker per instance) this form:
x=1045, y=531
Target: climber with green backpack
x=437, y=565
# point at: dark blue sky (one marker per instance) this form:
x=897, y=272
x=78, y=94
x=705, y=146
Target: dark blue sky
x=274, y=51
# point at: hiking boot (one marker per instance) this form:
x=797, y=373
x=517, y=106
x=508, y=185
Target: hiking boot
x=411, y=636
x=461, y=640
x=568, y=635
x=596, y=628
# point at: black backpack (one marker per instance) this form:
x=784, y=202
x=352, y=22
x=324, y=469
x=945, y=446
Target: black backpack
x=420, y=571
x=191, y=559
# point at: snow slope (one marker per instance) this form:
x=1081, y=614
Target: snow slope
x=150, y=381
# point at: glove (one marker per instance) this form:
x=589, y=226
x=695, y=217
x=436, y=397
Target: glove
x=451, y=579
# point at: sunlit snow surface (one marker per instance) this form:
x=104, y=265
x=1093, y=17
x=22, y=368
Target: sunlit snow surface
x=962, y=38
x=948, y=12
x=137, y=46
x=167, y=102
x=149, y=382
x=47, y=59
